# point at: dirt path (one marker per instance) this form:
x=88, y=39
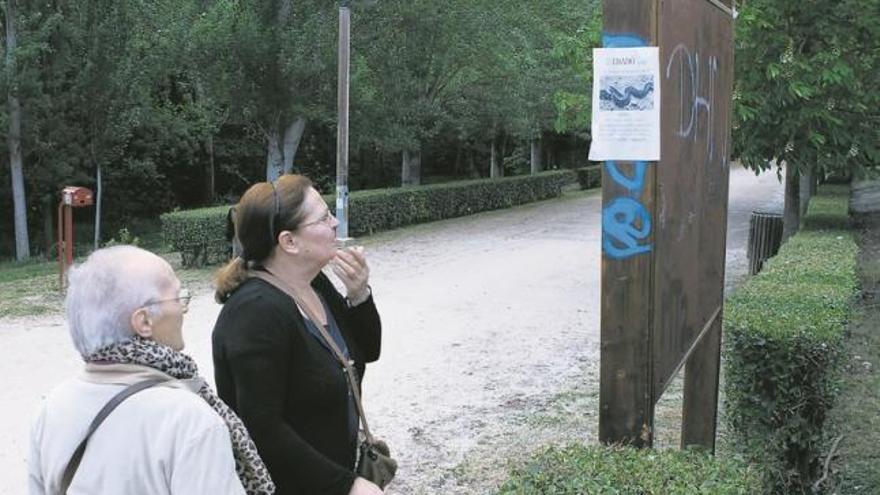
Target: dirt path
x=490, y=345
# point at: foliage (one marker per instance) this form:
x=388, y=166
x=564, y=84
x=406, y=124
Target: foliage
x=124, y=237
x=96, y=91
x=178, y=101
x=574, y=107
x=462, y=72
x=200, y=235
x=267, y=64
x=784, y=332
x=578, y=469
x=589, y=177
x=807, y=85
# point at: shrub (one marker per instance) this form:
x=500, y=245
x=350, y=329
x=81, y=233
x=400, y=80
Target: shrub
x=381, y=209
x=576, y=470
x=589, y=177
x=784, y=332
x=124, y=237
x=828, y=210
x=200, y=235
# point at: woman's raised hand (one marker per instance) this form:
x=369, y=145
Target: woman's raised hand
x=362, y=486
x=350, y=265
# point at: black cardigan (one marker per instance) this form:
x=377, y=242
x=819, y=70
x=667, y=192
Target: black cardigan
x=287, y=386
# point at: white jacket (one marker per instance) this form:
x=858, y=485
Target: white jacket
x=163, y=440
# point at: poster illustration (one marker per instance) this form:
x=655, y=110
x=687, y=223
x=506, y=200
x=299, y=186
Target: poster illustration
x=626, y=104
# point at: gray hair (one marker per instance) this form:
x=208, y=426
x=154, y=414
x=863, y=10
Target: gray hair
x=106, y=289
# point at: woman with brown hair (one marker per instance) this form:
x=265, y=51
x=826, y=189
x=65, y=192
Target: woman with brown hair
x=271, y=364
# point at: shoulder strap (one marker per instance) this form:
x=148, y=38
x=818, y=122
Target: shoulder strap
x=105, y=411
x=346, y=364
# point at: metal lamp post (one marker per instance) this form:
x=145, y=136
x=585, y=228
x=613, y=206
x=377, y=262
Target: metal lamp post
x=342, y=131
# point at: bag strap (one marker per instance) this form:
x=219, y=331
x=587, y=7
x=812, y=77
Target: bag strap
x=346, y=364
x=105, y=411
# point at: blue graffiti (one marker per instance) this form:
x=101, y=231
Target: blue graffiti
x=623, y=40
x=622, y=236
x=633, y=184
x=625, y=221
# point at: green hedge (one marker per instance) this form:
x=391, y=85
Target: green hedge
x=383, y=209
x=589, y=177
x=784, y=330
x=200, y=235
x=576, y=470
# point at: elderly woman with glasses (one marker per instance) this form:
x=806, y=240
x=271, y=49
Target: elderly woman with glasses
x=271, y=362
x=138, y=420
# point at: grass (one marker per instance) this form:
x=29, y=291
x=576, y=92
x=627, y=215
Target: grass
x=11, y=271
x=578, y=469
x=31, y=288
x=857, y=416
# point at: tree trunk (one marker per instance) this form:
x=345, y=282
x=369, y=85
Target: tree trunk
x=48, y=226
x=411, y=168
x=284, y=8
x=473, y=172
x=98, y=197
x=494, y=168
x=210, y=171
x=274, y=158
x=791, y=221
x=806, y=190
x=292, y=137
x=16, y=165
x=210, y=167
x=536, y=156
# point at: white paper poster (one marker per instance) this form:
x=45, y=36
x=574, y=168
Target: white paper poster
x=626, y=104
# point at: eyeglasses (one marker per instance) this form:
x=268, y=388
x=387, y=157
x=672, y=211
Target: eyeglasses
x=183, y=298
x=326, y=218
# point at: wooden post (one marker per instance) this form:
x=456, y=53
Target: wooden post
x=700, y=406
x=60, y=247
x=628, y=192
x=664, y=226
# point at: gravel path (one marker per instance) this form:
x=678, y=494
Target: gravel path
x=491, y=343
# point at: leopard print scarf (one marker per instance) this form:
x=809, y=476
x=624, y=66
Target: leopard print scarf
x=248, y=465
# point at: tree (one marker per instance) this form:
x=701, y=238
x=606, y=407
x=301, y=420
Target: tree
x=22, y=245
x=273, y=65
x=95, y=79
x=575, y=47
x=542, y=72
x=419, y=55
x=806, y=90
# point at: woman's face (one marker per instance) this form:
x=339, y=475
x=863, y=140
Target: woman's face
x=317, y=232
